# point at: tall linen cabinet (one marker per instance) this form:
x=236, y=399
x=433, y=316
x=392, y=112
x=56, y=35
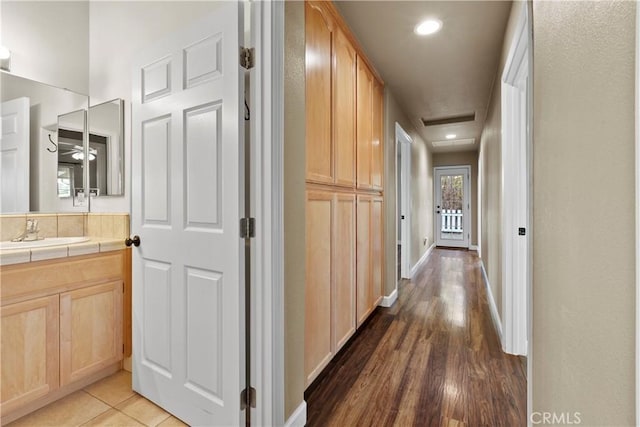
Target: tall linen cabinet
x=344, y=175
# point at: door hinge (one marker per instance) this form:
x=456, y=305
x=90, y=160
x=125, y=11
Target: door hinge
x=247, y=228
x=248, y=398
x=247, y=57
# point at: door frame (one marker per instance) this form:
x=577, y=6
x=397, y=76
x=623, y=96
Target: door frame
x=403, y=145
x=267, y=207
x=467, y=201
x=516, y=190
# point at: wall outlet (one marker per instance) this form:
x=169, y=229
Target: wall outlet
x=424, y=241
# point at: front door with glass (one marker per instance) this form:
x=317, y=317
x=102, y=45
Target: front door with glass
x=452, y=206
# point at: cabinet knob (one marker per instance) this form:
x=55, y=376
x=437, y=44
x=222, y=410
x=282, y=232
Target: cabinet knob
x=135, y=241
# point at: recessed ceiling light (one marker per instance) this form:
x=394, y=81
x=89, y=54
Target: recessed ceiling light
x=427, y=27
x=450, y=135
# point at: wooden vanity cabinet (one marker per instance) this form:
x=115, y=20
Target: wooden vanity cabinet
x=62, y=328
x=29, y=351
x=90, y=330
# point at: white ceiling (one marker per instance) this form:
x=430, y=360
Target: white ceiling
x=445, y=74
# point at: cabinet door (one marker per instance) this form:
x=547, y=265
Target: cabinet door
x=363, y=103
x=29, y=351
x=90, y=330
x=344, y=287
x=318, y=32
x=364, y=296
x=377, y=237
x=318, y=348
x=344, y=109
x=377, y=148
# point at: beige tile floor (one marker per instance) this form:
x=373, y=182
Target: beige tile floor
x=109, y=402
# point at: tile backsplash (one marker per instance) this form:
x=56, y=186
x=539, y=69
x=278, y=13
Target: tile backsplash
x=114, y=225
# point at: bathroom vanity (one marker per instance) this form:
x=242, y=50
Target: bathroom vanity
x=62, y=326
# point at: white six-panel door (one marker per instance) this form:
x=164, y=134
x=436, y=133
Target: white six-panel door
x=188, y=193
x=14, y=156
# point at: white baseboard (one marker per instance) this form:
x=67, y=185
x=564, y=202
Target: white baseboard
x=299, y=416
x=492, y=303
x=388, y=301
x=473, y=247
x=422, y=260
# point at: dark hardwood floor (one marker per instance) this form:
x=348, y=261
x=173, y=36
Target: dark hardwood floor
x=433, y=359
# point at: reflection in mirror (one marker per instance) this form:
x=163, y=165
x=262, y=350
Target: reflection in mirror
x=29, y=146
x=106, y=142
x=71, y=154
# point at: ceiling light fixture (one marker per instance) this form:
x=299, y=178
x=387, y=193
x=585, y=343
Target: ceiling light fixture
x=430, y=26
x=80, y=156
x=450, y=135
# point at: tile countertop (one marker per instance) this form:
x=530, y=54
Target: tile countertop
x=94, y=245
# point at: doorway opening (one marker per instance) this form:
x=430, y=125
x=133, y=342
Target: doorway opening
x=403, y=200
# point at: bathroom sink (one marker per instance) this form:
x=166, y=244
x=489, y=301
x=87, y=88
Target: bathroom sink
x=49, y=241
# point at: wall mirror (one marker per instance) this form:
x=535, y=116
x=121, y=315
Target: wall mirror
x=106, y=143
x=35, y=120
x=105, y=153
x=71, y=154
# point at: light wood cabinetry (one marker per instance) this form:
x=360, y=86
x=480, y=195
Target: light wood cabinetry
x=377, y=250
x=29, y=351
x=90, y=330
x=318, y=348
x=319, y=144
x=364, y=294
x=62, y=328
x=344, y=161
x=377, y=146
x=344, y=269
x=364, y=125
x=331, y=272
x=344, y=109
x=370, y=255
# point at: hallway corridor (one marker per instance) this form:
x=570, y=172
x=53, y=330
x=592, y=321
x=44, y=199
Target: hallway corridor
x=433, y=359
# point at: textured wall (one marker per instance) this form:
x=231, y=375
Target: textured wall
x=421, y=191
x=490, y=180
x=583, y=212
x=294, y=205
x=49, y=41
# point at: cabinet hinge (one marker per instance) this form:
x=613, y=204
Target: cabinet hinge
x=247, y=57
x=122, y=348
x=248, y=398
x=247, y=228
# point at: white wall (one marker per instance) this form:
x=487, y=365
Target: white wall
x=118, y=30
x=49, y=41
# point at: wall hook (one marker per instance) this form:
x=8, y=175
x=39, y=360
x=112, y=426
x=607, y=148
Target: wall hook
x=54, y=144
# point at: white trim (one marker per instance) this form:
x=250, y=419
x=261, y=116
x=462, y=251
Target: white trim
x=495, y=316
x=299, y=416
x=388, y=301
x=637, y=167
x=422, y=260
x=466, y=209
x=267, y=207
x=515, y=189
x=473, y=247
x=403, y=143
